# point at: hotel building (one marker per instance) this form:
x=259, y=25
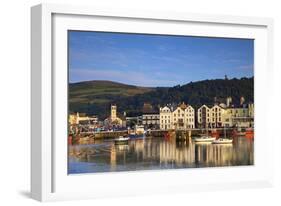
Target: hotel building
x=226, y=115
x=150, y=117
x=177, y=117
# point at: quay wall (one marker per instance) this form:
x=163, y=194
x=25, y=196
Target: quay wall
x=155, y=133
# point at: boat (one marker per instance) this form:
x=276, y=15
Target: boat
x=249, y=132
x=204, y=138
x=134, y=135
x=121, y=140
x=138, y=132
x=223, y=140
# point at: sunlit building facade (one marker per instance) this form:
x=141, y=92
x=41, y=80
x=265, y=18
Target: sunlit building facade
x=177, y=117
x=226, y=116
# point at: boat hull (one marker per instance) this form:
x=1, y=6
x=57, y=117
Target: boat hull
x=121, y=140
x=199, y=140
x=134, y=136
x=222, y=142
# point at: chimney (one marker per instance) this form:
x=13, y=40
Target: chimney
x=242, y=100
x=228, y=101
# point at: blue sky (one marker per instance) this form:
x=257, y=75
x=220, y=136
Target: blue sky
x=156, y=60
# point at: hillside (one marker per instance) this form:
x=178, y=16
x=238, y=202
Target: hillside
x=102, y=91
x=95, y=97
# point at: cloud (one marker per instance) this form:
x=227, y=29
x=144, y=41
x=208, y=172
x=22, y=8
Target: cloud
x=246, y=67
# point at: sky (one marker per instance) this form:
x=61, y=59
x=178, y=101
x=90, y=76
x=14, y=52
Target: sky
x=156, y=60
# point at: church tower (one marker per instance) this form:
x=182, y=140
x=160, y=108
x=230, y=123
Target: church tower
x=113, y=112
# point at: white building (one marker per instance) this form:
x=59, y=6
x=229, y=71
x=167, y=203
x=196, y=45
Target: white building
x=225, y=116
x=211, y=117
x=82, y=118
x=242, y=116
x=177, y=117
x=151, y=120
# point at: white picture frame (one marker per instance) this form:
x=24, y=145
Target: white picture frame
x=49, y=180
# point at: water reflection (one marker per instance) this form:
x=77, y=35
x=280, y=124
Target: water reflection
x=157, y=153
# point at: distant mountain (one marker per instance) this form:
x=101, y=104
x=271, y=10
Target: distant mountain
x=95, y=97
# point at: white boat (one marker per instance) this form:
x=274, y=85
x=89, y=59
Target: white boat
x=223, y=141
x=204, y=139
x=121, y=140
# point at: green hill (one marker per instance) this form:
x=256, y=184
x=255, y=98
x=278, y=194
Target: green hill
x=95, y=97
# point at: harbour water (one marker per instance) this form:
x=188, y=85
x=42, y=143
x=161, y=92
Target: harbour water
x=155, y=153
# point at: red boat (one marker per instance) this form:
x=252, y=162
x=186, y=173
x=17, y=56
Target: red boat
x=249, y=133
x=215, y=134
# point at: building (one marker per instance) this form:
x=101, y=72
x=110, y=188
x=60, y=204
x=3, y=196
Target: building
x=73, y=118
x=241, y=116
x=113, y=119
x=132, y=121
x=226, y=115
x=150, y=117
x=151, y=120
x=211, y=117
x=82, y=118
x=177, y=117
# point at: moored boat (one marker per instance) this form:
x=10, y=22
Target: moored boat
x=138, y=132
x=223, y=141
x=204, y=139
x=134, y=135
x=121, y=140
x=249, y=133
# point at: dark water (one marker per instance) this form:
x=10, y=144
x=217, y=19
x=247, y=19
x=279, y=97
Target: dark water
x=157, y=153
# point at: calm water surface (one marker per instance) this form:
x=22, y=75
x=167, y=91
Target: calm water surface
x=157, y=153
